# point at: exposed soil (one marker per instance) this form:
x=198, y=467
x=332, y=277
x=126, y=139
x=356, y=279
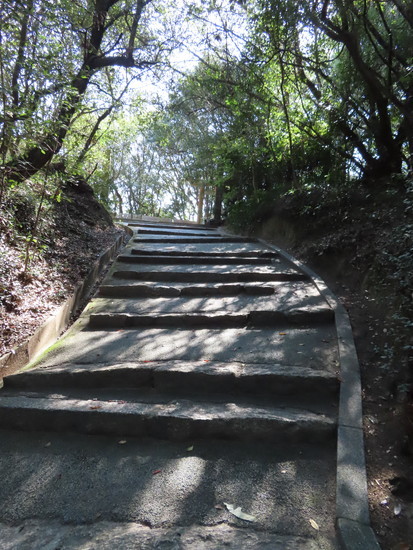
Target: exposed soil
x=389, y=460
x=363, y=249
x=70, y=239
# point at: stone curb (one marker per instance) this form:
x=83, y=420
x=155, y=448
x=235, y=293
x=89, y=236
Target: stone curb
x=352, y=512
x=52, y=328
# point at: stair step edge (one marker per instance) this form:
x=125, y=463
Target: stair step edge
x=202, y=376
x=148, y=290
x=251, y=318
x=176, y=421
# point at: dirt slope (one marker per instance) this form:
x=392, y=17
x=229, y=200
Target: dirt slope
x=362, y=246
x=72, y=234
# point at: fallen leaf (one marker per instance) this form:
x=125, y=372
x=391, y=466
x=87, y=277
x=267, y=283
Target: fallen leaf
x=189, y=449
x=156, y=472
x=238, y=512
x=314, y=524
x=282, y=333
x=95, y=407
x=122, y=442
x=48, y=444
x=397, y=509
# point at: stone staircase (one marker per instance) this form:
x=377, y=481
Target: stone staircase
x=206, y=370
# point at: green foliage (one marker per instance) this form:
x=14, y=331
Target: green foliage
x=245, y=215
x=306, y=95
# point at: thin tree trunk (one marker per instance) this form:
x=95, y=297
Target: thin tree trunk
x=201, y=198
x=219, y=195
x=290, y=162
x=39, y=155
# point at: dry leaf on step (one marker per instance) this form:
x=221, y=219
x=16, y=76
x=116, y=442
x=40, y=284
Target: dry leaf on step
x=314, y=525
x=238, y=512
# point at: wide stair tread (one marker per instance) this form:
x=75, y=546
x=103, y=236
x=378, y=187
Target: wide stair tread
x=117, y=288
x=209, y=276
x=150, y=414
x=167, y=491
x=38, y=533
x=204, y=254
x=194, y=240
x=243, y=302
x=192, y=377
x=171, y=259
x=186, y=232
x=264, y=318
x=172, y=225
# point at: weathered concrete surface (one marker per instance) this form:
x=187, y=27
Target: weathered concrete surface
x=218, y=275
x=185, y=239
x=141, y=289
x=159, y=416
x=218, y=246
x=105, y=535
x=80, y=480
x=279, y=298
x=272, y=379
x=169, y=225
x=307, y=347
x=149, y=230
x=140, y=251
x=274, y=266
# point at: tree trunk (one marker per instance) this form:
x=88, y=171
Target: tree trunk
x=201, y=197
x=40, y=154
x=219, y=195
x=388, y=149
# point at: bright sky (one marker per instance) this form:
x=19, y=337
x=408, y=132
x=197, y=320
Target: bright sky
x=223, y=29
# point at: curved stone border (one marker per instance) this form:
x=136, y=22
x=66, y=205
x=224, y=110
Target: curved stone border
x=52, y=328
x=352, y=511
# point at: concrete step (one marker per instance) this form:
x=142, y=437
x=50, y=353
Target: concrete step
x=36, y=534
x=191, y=260
x=171, y=225
x=139, y=290
x=190, y=378
x=270, y=267
x=171, y=231
x=253, y=319
x=310, y=347
x=207, y=254
x=184, y=239
x=180, y=300
x=217, y=247
x=73, y=491
x=143, y=415
x=208, y=276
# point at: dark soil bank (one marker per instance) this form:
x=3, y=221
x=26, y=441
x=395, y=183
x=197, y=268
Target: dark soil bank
x=72, y=233
x=361, y=245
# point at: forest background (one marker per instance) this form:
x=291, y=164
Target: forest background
x=291, y=120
